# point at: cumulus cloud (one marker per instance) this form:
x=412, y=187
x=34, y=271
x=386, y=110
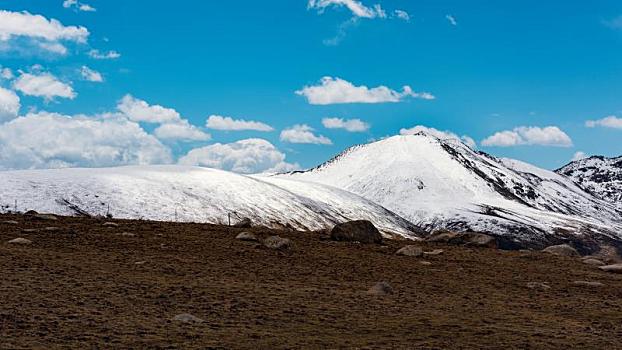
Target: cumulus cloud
x=529, y=135
x=90, y=75
x=401, y=14
x=110, y=55
x=303, y=134
x=9, y=105
x=47, y=140
x=608, y=122
x=78, y=6
x=6, y=73
x=578, y=156
x=245, y=156
x=443, y=135
x=45, y=33
x=140, y=111
x=351, y=125
x=218, y=122
x=452, y=20
x=614, y=23
x=181, y=130
x=356, y=7
x=336, y=90
x=43, y=85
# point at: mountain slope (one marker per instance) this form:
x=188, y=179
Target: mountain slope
x=191, y=194
x=598, y=175
x=445, y=184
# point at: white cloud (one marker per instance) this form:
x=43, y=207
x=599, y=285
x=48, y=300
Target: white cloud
x=403, y=15
x=303, y=134
x=608, y=122
x=6, y=73
x=452, y=20
x=336, y=90
x=181, y=131
x=46, y=140
x=110, y=55
x=615, y=23
x=443, y=135
x=9, y=105
x=356, y=7
x=578, y=156
x=529, y=135
x=245, y=156
x=140, y=111
x=351, y=125
x=91, y=75
x=43, y=85
x=78, y=5
x=45, y=33
x=218, y=122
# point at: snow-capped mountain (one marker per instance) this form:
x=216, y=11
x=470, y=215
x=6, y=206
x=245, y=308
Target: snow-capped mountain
x=192, y=194
x=598, y=175
x=438, y=183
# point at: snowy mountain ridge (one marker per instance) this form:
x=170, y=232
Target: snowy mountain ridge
x=180, y=193
x=437, y=184
x=598, y=175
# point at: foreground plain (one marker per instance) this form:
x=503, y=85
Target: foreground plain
x=82, y=284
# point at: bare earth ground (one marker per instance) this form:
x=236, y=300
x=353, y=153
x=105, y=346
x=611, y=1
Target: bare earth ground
x=86, y=290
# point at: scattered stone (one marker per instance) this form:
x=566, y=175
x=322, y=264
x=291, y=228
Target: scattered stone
x=588, y=284
x=434, y=252
x=593, y=262
x=30, y=230
x=381, y=289
x=607, y=254
x=51, y=229
x=425, y=263
x=247, y=236
x=410, y=250
x=278, y=243
x=187, y=318
x=538, y=286
x=361, y=231
x=244, y=223
x=11, y=222
x=562, y=250
x=127, y=234
x=30, y=213
x=44, y=217
x=21, y=241
x=140, y=263
x=110, y=224
x=615, y=268
x=469, y=239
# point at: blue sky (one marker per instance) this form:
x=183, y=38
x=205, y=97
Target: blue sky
x=534, y=72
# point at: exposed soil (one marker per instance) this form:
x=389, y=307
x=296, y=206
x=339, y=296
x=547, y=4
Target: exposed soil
x=88, y=286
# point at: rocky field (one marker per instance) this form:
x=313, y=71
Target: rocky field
x=89, y=283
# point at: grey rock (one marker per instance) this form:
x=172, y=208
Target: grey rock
x=44, y=217
x=187, y=318
x=278, y=243
x=110, y=224
x=470, y=239
x=434, y=252
x=11, y=222
x=381, y=289
x=247, y=236
x=593, y=262
x=562, y=250
x=20, y=241
x=30, y=230
x=244, y=223
x=588, y=284
x=538, y=286
x=615, y=268
x=361, y=231
x=410, y=250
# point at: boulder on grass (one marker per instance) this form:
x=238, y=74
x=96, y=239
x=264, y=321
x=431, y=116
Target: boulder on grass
x=244, y=223
x=187, y=318
x=381, y=289
x=562, y=250
x=247, y=236
x=593, y=262
x=20, y=241
x=469, y=239
x=361, y=231
x=278, y=243
x=410, y=250
x=615, y=268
